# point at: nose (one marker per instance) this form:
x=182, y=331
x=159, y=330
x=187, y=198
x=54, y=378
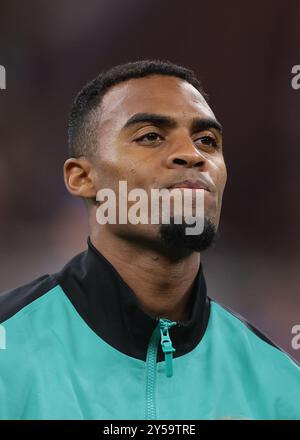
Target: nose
x=187, y=157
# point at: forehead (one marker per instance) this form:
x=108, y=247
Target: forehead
x=154, y=94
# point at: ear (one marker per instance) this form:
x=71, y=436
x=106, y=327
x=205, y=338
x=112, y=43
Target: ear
x=79, y=178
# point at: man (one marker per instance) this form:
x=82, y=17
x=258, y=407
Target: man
x=126, y=329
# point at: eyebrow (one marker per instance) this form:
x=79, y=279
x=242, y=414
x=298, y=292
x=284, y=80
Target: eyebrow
x=197, y=124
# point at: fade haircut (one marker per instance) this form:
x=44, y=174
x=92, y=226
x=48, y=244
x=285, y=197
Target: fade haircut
x=84, y=117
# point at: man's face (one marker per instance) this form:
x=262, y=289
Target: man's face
x=154, y=132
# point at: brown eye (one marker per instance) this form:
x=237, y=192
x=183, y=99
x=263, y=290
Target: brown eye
x=208, y=140
x=149, y=137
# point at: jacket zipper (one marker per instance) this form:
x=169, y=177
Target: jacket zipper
x=160, y=333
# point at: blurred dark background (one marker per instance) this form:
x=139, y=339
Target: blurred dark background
x=242, y=51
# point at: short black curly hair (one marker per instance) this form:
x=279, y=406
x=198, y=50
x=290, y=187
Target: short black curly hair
x=81, y=122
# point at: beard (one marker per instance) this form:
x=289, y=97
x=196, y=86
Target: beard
x=174, y=236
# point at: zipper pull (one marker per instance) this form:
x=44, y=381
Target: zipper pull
x=166, y=343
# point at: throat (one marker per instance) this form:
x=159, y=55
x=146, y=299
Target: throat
x=162, y=287
x=163, y=293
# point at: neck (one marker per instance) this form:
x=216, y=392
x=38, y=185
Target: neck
x=162, y=285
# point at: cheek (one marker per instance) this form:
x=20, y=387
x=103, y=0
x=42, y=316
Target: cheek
x=223, y=176
x=111, y=172
x=118, y=159
x=139, y=173
x=220, y=175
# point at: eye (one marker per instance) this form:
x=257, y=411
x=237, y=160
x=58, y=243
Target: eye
x=208, y=140
x=149, y=138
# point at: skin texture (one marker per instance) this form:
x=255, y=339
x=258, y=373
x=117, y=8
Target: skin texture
x=161, y=278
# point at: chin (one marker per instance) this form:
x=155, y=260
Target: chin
x=174, y=236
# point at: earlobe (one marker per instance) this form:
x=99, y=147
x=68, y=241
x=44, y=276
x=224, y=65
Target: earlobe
x=79, y=178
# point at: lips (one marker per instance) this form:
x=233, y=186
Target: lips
x=192, y=184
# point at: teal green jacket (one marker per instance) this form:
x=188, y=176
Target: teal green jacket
x=78, y=346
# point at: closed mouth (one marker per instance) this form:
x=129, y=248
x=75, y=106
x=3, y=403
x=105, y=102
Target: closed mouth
x=190, y=184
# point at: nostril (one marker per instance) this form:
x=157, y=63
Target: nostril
x=198, y=164
x=180, y=161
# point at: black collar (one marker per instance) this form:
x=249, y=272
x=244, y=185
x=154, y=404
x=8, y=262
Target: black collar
x=110, y=307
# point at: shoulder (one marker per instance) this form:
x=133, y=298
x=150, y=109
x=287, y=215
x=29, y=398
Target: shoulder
x=14, y=300
x=252, y=342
